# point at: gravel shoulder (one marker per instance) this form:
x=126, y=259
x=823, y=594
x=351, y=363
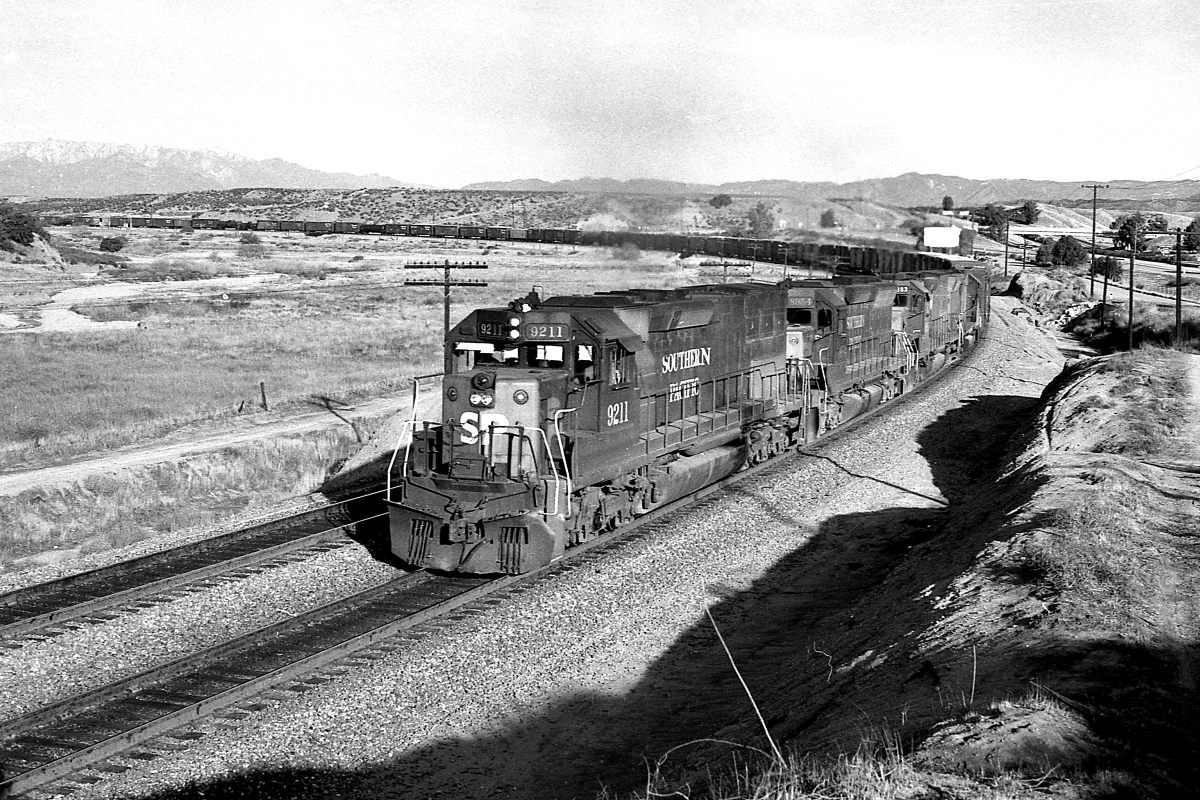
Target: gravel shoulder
x=577, y=684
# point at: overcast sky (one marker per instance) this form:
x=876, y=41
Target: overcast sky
x=449, y=92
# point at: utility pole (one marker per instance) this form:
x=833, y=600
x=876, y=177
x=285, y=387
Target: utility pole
x=1006, y=247
x=1178, y=287
x=1095, y=187
x=445, y=283
x=1132, y=254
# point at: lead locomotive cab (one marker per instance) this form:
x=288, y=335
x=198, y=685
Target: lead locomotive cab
x=488, y=489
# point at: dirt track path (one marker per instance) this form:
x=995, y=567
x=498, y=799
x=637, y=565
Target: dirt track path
x=248, y=429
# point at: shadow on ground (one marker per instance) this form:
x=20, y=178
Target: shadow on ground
x=826, y=641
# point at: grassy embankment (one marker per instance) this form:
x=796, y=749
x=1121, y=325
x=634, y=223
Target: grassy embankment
x=1112, y=568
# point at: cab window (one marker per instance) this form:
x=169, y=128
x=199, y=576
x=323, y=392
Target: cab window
x=585, y=363
x=620, y=365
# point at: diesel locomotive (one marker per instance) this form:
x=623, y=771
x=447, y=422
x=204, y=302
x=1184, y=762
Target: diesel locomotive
x=564, y=417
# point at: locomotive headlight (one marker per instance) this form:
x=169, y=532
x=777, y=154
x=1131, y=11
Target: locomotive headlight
x=520, y=397
x=514, y=333
x=514, y=322
x=482, y=399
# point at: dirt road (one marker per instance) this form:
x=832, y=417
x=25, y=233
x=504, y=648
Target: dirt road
x=236, y=432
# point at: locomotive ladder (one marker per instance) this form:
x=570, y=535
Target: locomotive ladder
x=910, y=350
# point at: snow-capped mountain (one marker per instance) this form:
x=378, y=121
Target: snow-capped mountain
x=60, y=168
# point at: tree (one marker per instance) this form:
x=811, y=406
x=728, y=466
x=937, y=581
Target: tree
x=828, y=219
x=720, y=201
x=947, y=203
x=1028, y=213
x=1192, y=240
x=17, y=227
x=1108, y=266
x=1157, y=223
x=1068, y=252
x=994, y=217
x=112, y=244
x=1045, y=254
x=760, y=221
x=1130, y=232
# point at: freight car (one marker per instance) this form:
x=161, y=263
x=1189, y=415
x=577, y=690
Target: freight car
x=564, y=417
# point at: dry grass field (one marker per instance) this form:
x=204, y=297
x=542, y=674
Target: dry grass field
x=215, y=317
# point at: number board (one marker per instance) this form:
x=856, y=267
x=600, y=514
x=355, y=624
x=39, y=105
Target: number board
x=547, y=332
x=492, y=330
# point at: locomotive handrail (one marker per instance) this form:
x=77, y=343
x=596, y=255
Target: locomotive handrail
x=563, y=452
x=522, y=432
x=411, y=427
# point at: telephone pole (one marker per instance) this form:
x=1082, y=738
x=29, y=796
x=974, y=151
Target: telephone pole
x=445, y=283
x=1095, y=187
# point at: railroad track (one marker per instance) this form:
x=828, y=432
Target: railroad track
x=50, y=609
x=59, y=741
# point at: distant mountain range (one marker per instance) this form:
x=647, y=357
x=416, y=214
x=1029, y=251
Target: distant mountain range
x=910, y=189
x=58, y=168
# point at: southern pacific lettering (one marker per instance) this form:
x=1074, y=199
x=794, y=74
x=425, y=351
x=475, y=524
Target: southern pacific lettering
x=686, y=359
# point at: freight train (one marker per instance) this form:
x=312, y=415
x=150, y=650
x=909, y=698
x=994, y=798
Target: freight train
x=563, y=417
x=831, y=257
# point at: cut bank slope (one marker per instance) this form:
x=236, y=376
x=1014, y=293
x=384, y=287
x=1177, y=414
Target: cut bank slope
x=1045, y=641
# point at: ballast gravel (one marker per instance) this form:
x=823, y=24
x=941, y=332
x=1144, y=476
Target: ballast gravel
x=42, y=672
x=583, y=682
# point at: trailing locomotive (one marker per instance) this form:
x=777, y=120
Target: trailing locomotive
x=564, y=417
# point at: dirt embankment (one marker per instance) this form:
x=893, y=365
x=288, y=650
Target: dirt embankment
x=1044, y=641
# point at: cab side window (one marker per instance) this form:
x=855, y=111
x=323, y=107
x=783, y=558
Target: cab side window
x=620, y=365
x=585, y=363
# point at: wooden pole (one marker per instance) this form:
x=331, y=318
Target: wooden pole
x=1132, y=255
x=1178, y=287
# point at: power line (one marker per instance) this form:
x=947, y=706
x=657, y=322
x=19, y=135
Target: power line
x=1185, y=172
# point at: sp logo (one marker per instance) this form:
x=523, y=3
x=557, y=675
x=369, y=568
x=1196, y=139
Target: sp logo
x=475, y=422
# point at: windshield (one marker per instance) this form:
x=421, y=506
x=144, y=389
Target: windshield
x=471, y=355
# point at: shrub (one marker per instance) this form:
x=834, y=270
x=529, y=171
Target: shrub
x=17, y=227
x=250, y=237
x=112, y=244
x=1108, y=266
x=252, y=251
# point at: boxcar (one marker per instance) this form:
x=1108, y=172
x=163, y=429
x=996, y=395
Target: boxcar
x=267, y=225
x=346, y=227
x=419, y=230
x=400, y=229
x=470, y=232
x=291, y=225
x=445, y=231
x=495, y=233
x=318, y=228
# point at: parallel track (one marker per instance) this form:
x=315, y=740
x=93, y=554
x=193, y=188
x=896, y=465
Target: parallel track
x=39, y=611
